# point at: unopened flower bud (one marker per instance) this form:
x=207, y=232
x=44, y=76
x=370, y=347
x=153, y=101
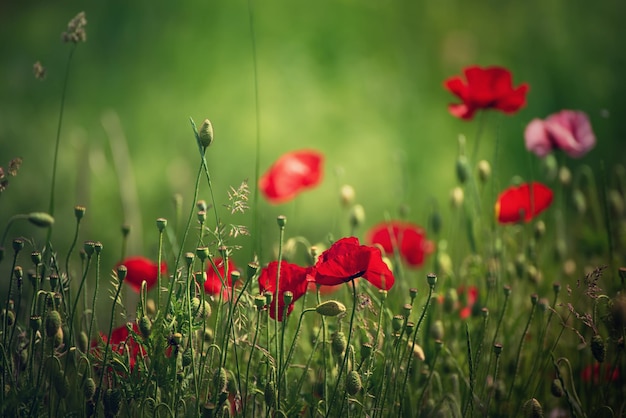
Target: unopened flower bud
x=353, y=383
x=565, y=176
x=598, y=349
x=41, y=219
x=357, y=216
x=220, y=379
x=462, y=169
x=347, y=195
x=457, y=197
x=112, y=401
x=556, y=387
x=366, y=350
x=437, y=330
x=330, y=308
x=145, y=326
x=484, y=170
x=532, y=409
x=53, y=323
x=89, y=388
x=205, y=133
x=338, y=342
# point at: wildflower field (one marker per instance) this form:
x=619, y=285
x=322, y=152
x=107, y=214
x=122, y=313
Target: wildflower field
x=266, y=286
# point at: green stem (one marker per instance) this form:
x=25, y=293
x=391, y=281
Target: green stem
x=521, y=345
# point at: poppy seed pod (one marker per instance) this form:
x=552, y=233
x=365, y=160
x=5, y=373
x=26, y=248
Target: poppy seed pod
x=205, y=133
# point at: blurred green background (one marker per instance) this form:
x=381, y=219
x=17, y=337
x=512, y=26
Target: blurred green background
x=360, y=81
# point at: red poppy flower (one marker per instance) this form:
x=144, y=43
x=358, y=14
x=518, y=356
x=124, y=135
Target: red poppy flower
x=213, y=283
x=591, y=373
x=140, y=269
x=567, y=130
x=409, y=239
x=346, y=260
x=486, y=88
x=120, y=342
x=293, y=278
x=518, y=203
x=469, y=296
x=291, y=174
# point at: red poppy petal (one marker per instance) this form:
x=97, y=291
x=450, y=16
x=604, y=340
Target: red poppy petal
x=512, y=102
x=517, y=203
x=290, y=174
x=462, y=111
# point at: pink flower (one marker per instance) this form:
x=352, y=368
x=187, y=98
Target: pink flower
x=568, y=130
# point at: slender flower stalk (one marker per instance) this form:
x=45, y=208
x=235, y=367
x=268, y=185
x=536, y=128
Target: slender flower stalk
x=533, y=298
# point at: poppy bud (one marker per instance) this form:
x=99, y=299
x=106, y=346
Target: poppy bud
x=598, y=349
x=437, y=330
x=357, y=216
x=580, y=202
x=347, y=195
x=457, y=197
x=616, y=202
x=205, y=134
x=330, y=308
x=83, y=342
x=112, y=401
x=338, y=343
x=145, y=326
x=550, y=166
x=462, y=169
x=89, y=388
x=41, y=219
x=353, y=383
x=532, y=409
x=269, y=393
x=450, y=300
x=565, y=176
x=556, y=387
x=366, y=350
x=220, y=379
x=53, y=323
x=484, y=171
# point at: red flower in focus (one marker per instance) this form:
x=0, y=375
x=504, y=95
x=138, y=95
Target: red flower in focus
x=568, y=130
x=213, y=283
x=120, y=342
x=409, y=239
x=346, y=260
x=486, y=88
x=470, y=296
x=293, y=278
x=290, y=174
x=518, y=203
x=140, y=269
x=591, y=373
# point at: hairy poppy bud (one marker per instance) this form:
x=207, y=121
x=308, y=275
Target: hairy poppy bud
x=269, y=393
x=220, y=379
x=330, y=308
x=598, y=349
x=338, y=342
x=205, y=134
x=53, y=323
x=556, y=387
x=462, y=169
x=112, y=401
x=532, y=409
x=484, y=171
x=41, y=219
x=353, y=383
x=89, y=388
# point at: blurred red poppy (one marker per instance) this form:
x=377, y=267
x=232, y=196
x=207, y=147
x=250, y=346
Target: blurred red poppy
x=408, y=239
x=213, y=283
x=567, y=130
x=120, y=342
x=293, y=278
x=346, y=260
x=591, y=373
x=486, y=88
x=468, y=296
x=518, y=203
x=140, y=269
x=292, y=173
